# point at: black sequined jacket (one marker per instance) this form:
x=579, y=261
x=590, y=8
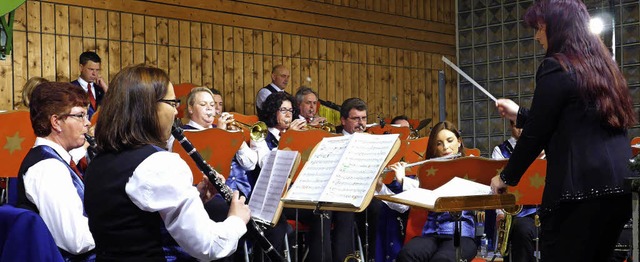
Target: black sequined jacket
x=585, y=157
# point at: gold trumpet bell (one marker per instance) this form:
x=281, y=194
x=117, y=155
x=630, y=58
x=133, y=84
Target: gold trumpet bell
x=258, y=131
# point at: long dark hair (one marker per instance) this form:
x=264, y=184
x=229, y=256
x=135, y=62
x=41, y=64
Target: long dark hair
x=576, y=48
x=128, y=117
x=432, y=146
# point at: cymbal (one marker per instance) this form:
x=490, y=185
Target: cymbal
x=423, y=123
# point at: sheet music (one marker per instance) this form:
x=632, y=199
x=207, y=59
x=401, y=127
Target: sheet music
x=462, y=187
x=259, y=193
x=358, y=169
x=420, y=195
x=455, y=187
x=282, y=166
x=317, y=171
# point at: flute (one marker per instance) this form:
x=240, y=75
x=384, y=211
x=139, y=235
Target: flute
x=448, y=157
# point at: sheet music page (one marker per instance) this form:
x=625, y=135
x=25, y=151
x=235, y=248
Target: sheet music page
x=282, y=166
x=419, y=195
x=357, y=170
x=462, y=187
x=317, y=171
x=259, y=193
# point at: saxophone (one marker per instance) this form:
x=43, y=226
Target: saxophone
x=353, y=257
x=504, y=227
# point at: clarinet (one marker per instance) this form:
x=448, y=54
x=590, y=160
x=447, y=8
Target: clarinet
x=225, y=191
x=92, y=150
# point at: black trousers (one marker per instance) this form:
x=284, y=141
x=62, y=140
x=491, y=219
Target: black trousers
x=522, y=240
x=585, y=230
x=325, y=243
x=437, y=248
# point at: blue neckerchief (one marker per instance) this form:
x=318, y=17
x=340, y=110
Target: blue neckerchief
x=48, y=152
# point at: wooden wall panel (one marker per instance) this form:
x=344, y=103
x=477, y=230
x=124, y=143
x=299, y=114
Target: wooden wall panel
x=386, y=52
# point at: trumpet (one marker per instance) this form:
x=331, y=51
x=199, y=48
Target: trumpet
x=325, y=126
x=257, y=131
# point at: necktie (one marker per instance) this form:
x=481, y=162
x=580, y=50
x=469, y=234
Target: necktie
x=75, y=169
x=92, y=99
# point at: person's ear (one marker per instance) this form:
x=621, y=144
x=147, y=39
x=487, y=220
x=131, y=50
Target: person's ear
x=55, y=123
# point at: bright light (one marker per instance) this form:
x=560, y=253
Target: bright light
x=596, y=25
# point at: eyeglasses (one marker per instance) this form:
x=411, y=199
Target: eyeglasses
x=358, y=119
x=81, y=116
x=285, y=110
x=172, y=102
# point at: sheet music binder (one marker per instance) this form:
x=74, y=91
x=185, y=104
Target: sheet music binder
x=342, y=172
x=274, y=178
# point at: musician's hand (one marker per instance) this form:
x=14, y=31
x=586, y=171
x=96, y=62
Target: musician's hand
x=318, y=121
x=399, y=169
x=206, y=189
x=499, y=217
x=102, y=83
x=238, y=208
x=497, y=186
x=224, y=120
x=298, y=124
x=507, y=108
x=480, y=216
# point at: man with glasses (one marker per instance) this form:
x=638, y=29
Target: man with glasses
x=48, y=181
x=353, y=115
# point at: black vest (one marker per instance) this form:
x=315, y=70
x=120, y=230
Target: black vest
x=121, y=230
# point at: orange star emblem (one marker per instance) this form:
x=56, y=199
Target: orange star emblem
x=466, y=176
x=206, y=153
x=431, y=171
x=536, y=181
x=14, y=143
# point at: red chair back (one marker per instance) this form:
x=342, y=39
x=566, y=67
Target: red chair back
x=217, y=147
x=182, y=91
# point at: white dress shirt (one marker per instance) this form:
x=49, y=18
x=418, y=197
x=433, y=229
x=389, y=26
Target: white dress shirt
x=407, y=183
x=497, y=153
x=263, y=93
x=163, y=183
x=49, y=186
x=262, y=148
x=84, y=84
x=247, y=158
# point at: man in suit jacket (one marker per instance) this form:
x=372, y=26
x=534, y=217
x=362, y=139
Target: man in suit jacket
x=90, y=80
x=279, y=81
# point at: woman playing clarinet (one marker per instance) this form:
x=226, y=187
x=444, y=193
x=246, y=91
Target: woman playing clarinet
x=139, y=198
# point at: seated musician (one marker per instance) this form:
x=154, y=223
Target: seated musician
x=307, y=103
x=48, y=180
x=277, y=113
x=140, y=199
x=353, y=117
x=523, y=230
x=401, y=121
x=436, y=242
x=203, y=105
x=392, y=217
